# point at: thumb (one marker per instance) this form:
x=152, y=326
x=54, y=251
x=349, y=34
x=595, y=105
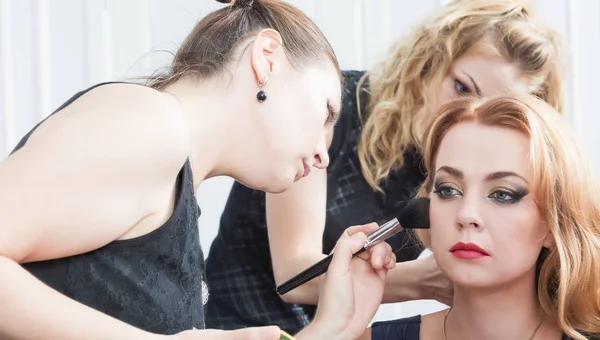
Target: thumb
x=344, y=249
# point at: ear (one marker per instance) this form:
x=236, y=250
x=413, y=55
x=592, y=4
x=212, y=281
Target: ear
x=548, y=240
x=264, y=56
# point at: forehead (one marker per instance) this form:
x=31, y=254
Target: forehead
x=493, y=74
x=324, y=78
x=479, y=150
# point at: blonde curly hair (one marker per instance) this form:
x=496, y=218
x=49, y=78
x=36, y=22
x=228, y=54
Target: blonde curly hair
x=402, y=88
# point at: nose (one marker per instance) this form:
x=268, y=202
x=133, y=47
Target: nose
x=469, y=214
x=321, y=156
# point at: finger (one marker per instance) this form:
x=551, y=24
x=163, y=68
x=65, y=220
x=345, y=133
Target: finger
x=380, y=255
x=365, y=228
x=344, y=249
x=382, y=273
x=388, y=256
x=392, y=263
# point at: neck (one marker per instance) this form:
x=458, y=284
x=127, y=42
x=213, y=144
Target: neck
x=507, y=312
x=209, y=109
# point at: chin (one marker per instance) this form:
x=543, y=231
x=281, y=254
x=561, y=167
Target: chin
x=275, y=188
x=485, y=280
x=471, y=278
x=471, y=282
x=271, y=184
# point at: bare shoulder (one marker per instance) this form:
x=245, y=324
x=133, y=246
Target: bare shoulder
x=135, y=106
x=431, y=325
x=137, y=117
x=91, y=172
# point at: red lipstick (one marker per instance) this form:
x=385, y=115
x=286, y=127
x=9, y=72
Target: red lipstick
x=468, y=251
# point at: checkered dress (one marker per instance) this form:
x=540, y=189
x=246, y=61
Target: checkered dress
x=238, y=268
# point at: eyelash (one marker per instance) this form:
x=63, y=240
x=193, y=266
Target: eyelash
x=514, y=196
x=332, y=116
x=461, y=88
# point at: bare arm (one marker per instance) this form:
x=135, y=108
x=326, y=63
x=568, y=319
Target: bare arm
x=404, y=282
x=296, y=222
x=416, y=280
x=85, y=178
x=299, y=215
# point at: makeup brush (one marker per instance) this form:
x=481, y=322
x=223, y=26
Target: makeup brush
x=415, y=215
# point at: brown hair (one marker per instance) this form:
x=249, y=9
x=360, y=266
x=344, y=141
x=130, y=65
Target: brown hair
x=402, y=88
x=566, y=194
x=210, y=45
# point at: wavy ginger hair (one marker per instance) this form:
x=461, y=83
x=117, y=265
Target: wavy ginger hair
x=403, y=88
x=565, y=191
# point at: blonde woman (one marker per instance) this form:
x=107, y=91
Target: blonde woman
x=515, y=223
x=473, y=47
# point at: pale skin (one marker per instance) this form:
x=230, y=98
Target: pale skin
x=482, y=195
x=299, y=213
x=85, y=179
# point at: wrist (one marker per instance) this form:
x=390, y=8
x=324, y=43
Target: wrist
x=404, y=283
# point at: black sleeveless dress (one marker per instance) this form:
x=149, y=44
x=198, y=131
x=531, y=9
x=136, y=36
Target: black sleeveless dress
x=239, y=270
x=153, y=282
x=404, y=329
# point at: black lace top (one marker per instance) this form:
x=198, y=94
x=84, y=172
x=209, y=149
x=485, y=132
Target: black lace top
x=239, y=270
x=153, y=282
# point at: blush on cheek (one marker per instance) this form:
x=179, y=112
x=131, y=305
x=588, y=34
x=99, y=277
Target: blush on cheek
x=434, y=244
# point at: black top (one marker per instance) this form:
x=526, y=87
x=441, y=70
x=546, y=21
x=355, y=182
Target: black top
x=239, y=270
x=403, y=329
x=153, y=282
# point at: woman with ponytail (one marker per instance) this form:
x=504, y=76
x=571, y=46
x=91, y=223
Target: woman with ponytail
x=99, y=230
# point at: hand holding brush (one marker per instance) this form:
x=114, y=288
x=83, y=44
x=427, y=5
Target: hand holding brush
x=414, y=215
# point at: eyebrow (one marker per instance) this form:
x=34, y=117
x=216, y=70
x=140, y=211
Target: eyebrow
x=491, y=177
x=475, y=85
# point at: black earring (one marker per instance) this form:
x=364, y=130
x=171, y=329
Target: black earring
x=262, y=95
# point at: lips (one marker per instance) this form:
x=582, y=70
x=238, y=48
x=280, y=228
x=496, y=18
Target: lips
x=304, y=173
x=468, y=251
x=306, y=169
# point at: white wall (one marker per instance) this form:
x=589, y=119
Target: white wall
x=51, y=49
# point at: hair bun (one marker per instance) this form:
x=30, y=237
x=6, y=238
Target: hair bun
x=238, y=3
x=526, y=7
